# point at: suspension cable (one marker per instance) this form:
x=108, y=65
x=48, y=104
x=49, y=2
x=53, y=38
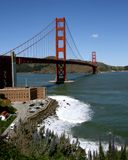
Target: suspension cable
x=71, y=48
x=36, y=41
x=30, y=38
x=74, y=41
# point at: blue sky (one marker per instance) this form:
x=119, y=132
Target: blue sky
x=96, y=25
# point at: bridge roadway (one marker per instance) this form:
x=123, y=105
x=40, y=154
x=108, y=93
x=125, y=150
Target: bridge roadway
x=20, y=60
x=8, y=67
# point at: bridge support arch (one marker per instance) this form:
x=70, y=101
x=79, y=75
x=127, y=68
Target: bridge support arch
x=94, y=70
x=60, y=50
x=5, y=72
x=8, y=71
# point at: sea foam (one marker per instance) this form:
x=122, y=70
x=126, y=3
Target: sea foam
x=71, y=112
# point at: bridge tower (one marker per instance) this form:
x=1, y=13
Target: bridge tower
x=94, y=62
x=94, y=57
x=60, y=50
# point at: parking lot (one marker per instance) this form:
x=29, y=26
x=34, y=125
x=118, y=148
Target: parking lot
x=25, y=110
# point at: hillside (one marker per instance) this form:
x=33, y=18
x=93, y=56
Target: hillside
x=104, y=67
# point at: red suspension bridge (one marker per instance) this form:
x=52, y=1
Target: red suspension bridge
x=54, y=38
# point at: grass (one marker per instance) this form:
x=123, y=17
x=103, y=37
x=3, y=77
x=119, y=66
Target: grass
x=5, y=124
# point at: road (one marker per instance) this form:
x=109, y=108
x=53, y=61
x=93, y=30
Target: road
x=21, y=114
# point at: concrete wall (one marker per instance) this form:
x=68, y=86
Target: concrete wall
x=5, y=71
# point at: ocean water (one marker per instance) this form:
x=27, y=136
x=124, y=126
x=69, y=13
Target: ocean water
x=92, y=107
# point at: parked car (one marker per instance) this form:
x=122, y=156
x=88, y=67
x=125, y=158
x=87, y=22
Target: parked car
x=38, y=107
x=41, y=104
x=31, y=105
x=12, y=126
x=38, y=125
x=32, y=110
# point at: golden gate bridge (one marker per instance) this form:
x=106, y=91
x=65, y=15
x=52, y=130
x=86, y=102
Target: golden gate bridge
x=50, y=46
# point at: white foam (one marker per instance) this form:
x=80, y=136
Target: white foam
x=94, y=146
x=71, y=112
x=91, y=145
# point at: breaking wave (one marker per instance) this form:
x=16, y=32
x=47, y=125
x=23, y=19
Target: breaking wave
x=71, y=112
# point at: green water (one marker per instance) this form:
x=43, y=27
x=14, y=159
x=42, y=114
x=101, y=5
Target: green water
x=107, y=95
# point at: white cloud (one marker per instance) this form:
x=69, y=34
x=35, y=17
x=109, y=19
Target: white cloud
x=95, y=35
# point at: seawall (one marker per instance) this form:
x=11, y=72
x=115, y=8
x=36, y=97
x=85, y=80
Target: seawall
x=48, y=110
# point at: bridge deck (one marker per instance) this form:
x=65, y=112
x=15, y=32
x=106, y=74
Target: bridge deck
x=20, y=60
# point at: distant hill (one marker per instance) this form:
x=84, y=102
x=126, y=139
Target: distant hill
x=71, y=68
x=104, y=67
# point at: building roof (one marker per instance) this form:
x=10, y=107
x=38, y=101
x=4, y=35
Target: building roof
x=19, y=88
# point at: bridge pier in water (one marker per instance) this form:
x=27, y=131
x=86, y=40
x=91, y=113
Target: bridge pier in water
x=94, y=70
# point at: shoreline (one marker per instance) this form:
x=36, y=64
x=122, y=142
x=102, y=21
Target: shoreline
x=40, y=115
x=49, y=110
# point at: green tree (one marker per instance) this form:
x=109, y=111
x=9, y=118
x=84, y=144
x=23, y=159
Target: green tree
x=2, y=96
x=123, y=155
x=101, y=152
